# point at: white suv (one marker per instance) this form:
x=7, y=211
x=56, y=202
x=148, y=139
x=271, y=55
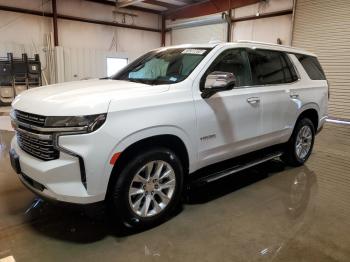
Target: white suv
x=134, y=138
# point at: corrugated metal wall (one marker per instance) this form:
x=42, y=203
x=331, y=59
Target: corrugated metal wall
x=84, y=63
x=323, y=27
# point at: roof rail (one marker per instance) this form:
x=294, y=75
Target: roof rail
x=261, y=43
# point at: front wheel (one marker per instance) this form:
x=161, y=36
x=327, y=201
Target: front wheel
x=148, y=188
x=299, y=147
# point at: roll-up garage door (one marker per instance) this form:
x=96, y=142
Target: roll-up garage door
x=323, y=27
x=199, y=34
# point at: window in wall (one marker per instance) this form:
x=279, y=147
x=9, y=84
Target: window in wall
x=271, y=67
x=234, y=61
x=312, y=67
x=115, y=64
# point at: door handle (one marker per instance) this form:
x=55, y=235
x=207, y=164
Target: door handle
x=294, y=96
x=253, y=100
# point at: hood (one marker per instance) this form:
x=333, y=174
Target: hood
x=80, y=97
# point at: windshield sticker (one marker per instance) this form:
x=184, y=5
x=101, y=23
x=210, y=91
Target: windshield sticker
x=172, y=79
x=194, y=51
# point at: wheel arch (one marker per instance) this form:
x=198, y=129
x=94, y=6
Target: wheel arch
x=170, y=141
x=311, y=112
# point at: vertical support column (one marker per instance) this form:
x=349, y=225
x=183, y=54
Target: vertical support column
x=229, y=22
x=229, y=25
x=54, y=20
x=163, y=31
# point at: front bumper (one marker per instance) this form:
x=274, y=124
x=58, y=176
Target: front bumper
x=60, y=178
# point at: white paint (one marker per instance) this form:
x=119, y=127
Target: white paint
x=137, y=111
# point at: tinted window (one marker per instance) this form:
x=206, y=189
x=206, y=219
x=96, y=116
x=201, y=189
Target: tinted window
x=234, y=61
x=289, y=72
x=271, y=67
x=312, y=67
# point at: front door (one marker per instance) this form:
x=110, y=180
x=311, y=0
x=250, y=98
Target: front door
x=229, y=121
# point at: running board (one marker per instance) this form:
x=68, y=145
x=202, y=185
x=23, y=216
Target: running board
x=230, y=171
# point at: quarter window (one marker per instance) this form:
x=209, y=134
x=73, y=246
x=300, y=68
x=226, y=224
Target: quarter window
x=312, y=67
x=271, y=67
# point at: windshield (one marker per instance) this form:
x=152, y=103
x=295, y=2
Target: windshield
x=163, y=67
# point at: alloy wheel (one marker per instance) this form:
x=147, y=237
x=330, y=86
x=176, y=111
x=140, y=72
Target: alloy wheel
x=152, y=188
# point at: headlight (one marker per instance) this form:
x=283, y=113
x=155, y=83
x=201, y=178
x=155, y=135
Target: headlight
x=90, y=123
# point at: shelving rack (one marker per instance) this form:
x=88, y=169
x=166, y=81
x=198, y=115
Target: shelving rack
x=18, y=75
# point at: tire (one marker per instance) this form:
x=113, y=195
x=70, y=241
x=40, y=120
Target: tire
x=122, y=202
x=292, y=155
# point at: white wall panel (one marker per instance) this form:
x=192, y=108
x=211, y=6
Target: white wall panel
x=264, y=30
x=199, y=34
x=85, y=46
x=86, y=63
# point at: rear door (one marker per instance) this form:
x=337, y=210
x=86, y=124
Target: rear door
x=274, y=74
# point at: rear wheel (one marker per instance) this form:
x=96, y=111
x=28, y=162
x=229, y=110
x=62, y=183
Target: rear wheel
x=299, y=147
x=148, y=188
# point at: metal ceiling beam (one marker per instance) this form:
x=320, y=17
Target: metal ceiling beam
x=206, y=8
x=125, y=3
x=74, y=18
x=261, y=16
x=160, y=3
x=136, y=8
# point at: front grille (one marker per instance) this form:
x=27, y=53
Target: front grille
x=39, y=148
x=31, y=119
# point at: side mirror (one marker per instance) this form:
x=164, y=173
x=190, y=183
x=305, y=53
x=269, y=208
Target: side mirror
x=218, y=81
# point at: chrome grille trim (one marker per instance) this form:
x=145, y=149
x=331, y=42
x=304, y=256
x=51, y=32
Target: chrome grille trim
x=31, y=119
x=34, y=145
x=48, y=134
x=49, y=129
x=35, y=135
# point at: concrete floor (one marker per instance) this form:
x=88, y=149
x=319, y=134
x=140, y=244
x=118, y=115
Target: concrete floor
x=268, y=213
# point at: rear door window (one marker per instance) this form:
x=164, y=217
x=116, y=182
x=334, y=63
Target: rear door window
x=311, y=66
x=271, y=67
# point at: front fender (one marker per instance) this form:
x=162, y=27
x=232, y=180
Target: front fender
x=144, y=133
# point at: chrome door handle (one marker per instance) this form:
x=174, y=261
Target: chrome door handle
x=253, y=100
